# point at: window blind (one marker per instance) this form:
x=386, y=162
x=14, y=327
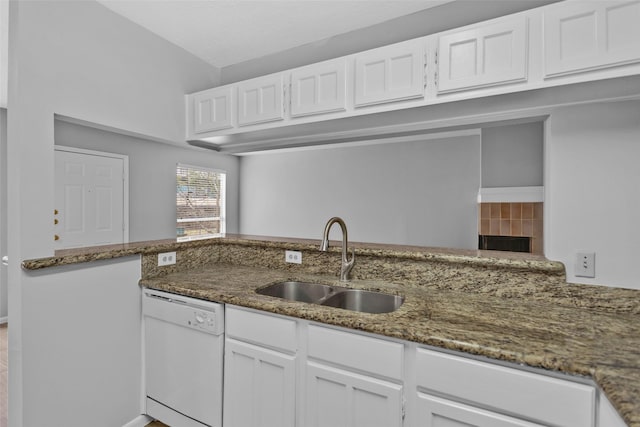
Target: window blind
x=200, y=202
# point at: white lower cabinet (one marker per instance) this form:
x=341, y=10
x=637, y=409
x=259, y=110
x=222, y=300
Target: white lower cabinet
x=438, y=412
x=337, y=397
x=285, y=372
x=519, y=393
x=259, y=386
x=353, y=380
x=259, y=382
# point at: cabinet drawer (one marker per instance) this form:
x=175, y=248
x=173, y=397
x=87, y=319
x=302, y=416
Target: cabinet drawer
x=263, y=329
x=532, y=396
x=433, y=411
x=352, y=350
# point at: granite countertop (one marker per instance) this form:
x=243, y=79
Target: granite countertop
x=505, y=306
x=542, y=333
x=96, y=253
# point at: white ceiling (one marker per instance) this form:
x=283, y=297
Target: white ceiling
x=226, y=32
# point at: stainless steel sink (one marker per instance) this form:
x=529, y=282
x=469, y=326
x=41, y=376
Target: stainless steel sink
x=364, y=301
x=334, y=296
x=297, y=291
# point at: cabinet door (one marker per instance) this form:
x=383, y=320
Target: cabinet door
x=338, y=398
x=391, y=73
x=318, y=88
x=212, y=109
x=582, y=36
x=484, y=56
x=259, y=386
x=260, y=100
x=436, y=412
x=558, y=402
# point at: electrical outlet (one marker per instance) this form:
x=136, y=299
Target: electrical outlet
x=586, y=264
x=166, y=258
x=294, y=257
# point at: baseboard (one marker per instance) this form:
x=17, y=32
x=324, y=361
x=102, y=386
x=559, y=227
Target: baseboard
x=4, y=320
x=139, y=421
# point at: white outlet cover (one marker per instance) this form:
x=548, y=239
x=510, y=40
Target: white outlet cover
x=294, y=257
x=586, y=264
x=166, y=258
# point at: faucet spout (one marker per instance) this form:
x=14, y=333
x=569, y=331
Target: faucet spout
x=347, y=265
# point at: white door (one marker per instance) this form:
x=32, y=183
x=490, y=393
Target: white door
x=259, y=386
x=437, y=412
x=89, y=199
x=338, y=398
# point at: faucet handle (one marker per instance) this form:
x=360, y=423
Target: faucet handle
x=347, y=266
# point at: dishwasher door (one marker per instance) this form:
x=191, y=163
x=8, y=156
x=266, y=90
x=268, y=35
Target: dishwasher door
x=184, y=346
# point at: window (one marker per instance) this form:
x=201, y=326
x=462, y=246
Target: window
x=200, y=202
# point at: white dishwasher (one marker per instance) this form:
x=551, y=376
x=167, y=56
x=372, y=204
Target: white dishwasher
x=184, y=345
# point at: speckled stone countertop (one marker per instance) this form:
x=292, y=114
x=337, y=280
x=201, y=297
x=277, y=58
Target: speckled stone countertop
x=95, y=253
x=602, y=345
x=512, y=307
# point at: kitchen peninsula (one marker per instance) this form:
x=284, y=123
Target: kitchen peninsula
x=508, y=307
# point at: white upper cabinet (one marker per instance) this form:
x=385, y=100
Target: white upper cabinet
x=260, y=100
x=319, y=88
x=583, y=36
x=212, y=109
x=486, y=55
x=391, y=73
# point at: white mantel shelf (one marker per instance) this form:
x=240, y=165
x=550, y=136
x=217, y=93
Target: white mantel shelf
x=511, y=195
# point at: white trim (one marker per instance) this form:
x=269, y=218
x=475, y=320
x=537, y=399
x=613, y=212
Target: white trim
x=125, y=179
x=213, y=218
x=4, y=320
x=4, y=52
x=139, y=421
x=511, y=195
x=200, y=168
x=370, y=141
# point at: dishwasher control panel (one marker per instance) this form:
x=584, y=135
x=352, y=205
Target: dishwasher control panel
x=204, y=320
x=202, y=315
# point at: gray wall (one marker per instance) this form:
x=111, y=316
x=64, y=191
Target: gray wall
x=152, y=176
x=445, y=17
x=418, y=193
x=512, y=155
x=592, y=191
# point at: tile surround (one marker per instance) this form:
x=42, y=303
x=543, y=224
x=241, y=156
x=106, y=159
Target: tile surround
x=513, y=219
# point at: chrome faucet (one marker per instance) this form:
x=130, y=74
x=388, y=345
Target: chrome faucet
x=347, y=265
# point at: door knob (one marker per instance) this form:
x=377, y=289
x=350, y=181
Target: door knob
x=56, y=237
x=55, y=211
x=55, y=221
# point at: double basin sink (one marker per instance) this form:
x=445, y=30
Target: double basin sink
x=334, y=296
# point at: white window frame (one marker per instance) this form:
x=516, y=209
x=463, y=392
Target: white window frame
x=223, y=205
